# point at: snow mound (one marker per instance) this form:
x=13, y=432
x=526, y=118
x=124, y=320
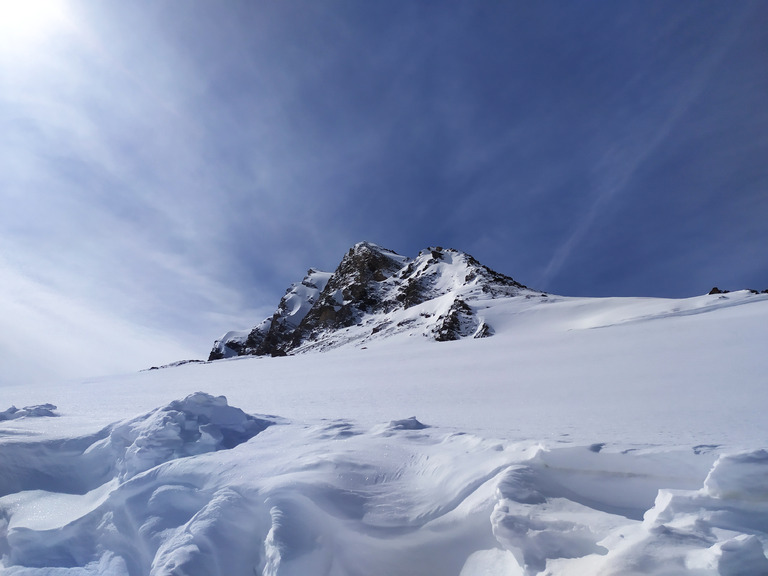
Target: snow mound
x=719, y=529
x=37, y=411
x=71, y=506
x=198, y=424
x=407, y=424
x=741, y=476
x=568, y=510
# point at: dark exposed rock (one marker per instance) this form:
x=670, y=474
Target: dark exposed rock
x=279, y=333
x=235, y=348
x=216, y=353
x=717, y=290
x=483, y=331
x=457, y=323
x=353, y=289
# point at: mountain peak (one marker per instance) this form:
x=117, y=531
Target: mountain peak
x=370, y=246
x=376, y=291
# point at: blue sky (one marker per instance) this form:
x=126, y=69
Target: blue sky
x=167, y=169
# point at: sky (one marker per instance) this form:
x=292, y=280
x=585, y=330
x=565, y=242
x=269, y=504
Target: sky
x=168, y=169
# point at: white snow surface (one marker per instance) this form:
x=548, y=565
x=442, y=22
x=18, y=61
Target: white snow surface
x=586, y=437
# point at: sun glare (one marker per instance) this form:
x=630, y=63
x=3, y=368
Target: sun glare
x=26, y=22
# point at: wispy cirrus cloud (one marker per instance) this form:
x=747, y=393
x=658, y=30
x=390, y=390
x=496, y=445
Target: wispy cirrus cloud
x=170, y=171
x=645, y=134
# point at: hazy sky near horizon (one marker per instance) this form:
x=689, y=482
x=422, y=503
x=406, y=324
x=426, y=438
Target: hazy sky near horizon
x=167, y=169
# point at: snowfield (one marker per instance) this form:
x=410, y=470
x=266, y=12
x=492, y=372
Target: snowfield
x=586, y=437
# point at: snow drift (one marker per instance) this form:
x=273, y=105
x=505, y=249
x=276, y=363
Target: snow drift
x=200, y=487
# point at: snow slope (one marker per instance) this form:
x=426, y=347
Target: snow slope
x=588, y=436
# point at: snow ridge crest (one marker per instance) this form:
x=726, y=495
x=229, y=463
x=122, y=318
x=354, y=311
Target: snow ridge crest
x=375, y=292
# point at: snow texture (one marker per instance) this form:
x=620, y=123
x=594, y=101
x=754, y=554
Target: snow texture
x=587, y=437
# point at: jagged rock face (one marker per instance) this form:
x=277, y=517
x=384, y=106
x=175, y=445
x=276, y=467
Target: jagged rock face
x=282, y=334
x=275, y=335
x=356, y=288
x=376, y=287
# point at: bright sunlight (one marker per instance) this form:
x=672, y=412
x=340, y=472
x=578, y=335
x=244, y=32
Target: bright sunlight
x=24, y=23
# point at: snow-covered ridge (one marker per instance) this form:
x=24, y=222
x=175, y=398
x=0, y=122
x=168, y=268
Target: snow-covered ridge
x=377, y=288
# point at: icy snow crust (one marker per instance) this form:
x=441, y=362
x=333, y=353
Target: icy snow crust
x=588, y=437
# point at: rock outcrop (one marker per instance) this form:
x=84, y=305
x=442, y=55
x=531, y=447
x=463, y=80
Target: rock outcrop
x=275, y=335
x=376, y=291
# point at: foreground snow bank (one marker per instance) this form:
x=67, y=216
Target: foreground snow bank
x=547, y=515
x=199, y=487
x=197, y=424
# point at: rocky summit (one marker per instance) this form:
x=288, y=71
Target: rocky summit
x=373, y=293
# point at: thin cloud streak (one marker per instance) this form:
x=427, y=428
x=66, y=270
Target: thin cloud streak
x=619, y=165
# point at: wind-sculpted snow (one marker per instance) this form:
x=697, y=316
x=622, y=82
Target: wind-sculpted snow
x=37, y=411
x=588, y=437
x=198, y=487
x=198, y=424
x=549, y=511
